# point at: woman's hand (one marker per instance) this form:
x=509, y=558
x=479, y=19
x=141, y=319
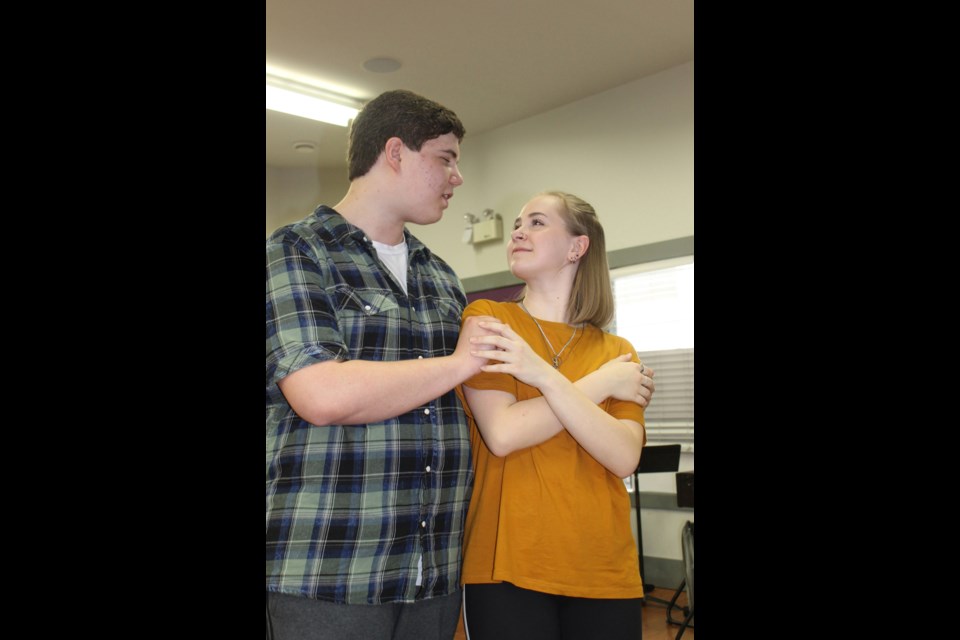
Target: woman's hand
x=512, y=355
x=627, y=380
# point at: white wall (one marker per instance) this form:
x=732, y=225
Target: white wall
x=627, y=151
x=662, y=528
x=292, y=194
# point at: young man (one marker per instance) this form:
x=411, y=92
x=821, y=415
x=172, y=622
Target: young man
x=368, y=452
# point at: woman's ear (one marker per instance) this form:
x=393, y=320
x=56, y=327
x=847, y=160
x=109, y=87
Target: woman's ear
x=579, y=249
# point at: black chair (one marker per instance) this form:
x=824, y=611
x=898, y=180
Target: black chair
x=684, y=499
x=687, y=543
x=653, y=459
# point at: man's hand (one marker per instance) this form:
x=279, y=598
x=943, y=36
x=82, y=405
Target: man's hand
x=471, y=329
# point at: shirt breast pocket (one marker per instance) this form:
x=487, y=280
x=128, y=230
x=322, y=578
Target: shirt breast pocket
x=369, y=321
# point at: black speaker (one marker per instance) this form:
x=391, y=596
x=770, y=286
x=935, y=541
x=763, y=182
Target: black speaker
x=685, y=489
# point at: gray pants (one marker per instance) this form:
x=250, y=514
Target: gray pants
x=296, y=618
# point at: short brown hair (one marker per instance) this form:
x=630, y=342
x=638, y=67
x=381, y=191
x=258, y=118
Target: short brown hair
x=404, y=114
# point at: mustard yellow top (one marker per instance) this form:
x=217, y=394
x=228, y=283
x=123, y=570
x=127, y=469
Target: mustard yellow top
x=550, y=518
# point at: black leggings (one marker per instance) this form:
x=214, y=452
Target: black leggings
x=505, y=612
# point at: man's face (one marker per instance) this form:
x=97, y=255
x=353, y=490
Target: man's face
x=431, y=175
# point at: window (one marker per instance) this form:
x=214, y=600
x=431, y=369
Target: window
x=654, y=304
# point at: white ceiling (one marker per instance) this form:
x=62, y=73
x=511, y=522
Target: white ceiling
x=493, y=62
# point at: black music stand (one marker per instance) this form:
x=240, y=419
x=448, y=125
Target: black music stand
x=654, y=459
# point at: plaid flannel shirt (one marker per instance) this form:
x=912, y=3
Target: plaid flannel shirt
x=352, y=508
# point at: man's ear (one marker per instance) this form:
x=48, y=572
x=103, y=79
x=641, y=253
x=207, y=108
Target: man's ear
x=392, y=152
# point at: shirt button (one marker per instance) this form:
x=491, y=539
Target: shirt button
x=366, y=308
x=426, y=412
x=428, y=468
x=419, y=357
x=423, y=524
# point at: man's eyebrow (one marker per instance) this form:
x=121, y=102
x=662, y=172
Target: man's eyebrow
x=450, y=151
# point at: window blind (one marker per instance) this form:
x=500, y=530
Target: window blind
x=669, y=417
x=654, y=304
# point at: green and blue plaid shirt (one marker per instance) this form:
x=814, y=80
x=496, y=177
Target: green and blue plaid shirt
x=352, y=508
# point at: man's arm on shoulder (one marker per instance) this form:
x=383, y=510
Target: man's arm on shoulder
x=362, y=391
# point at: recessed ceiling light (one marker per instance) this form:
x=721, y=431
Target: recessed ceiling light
x=305, y=146
x=381, y=65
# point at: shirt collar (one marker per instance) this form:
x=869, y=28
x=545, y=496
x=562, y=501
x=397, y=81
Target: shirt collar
x=342, y=229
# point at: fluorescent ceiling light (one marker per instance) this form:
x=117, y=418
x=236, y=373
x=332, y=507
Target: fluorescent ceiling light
x=305, y=101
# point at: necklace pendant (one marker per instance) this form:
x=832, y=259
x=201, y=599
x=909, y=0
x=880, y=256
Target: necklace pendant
x=556, y=362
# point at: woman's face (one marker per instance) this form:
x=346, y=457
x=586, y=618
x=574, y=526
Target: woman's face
x=540, y=242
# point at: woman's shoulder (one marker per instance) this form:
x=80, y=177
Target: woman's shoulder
x=623, y=345
x=484, y=307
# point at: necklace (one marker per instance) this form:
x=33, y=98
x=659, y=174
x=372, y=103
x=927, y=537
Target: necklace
x=556, y=354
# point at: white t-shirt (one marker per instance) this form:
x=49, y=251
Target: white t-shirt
x=395, y=257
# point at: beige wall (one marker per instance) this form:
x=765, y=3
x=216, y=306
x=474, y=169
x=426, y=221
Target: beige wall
x=294, y=193
x=628, y=151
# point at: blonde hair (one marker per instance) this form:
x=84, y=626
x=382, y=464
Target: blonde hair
x=591, y=299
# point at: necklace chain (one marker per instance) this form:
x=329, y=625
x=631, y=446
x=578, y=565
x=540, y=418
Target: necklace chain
x=556, y=354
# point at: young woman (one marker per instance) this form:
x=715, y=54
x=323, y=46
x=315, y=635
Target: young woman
x=556, y=422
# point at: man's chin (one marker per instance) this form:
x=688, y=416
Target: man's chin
x=432, y=219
